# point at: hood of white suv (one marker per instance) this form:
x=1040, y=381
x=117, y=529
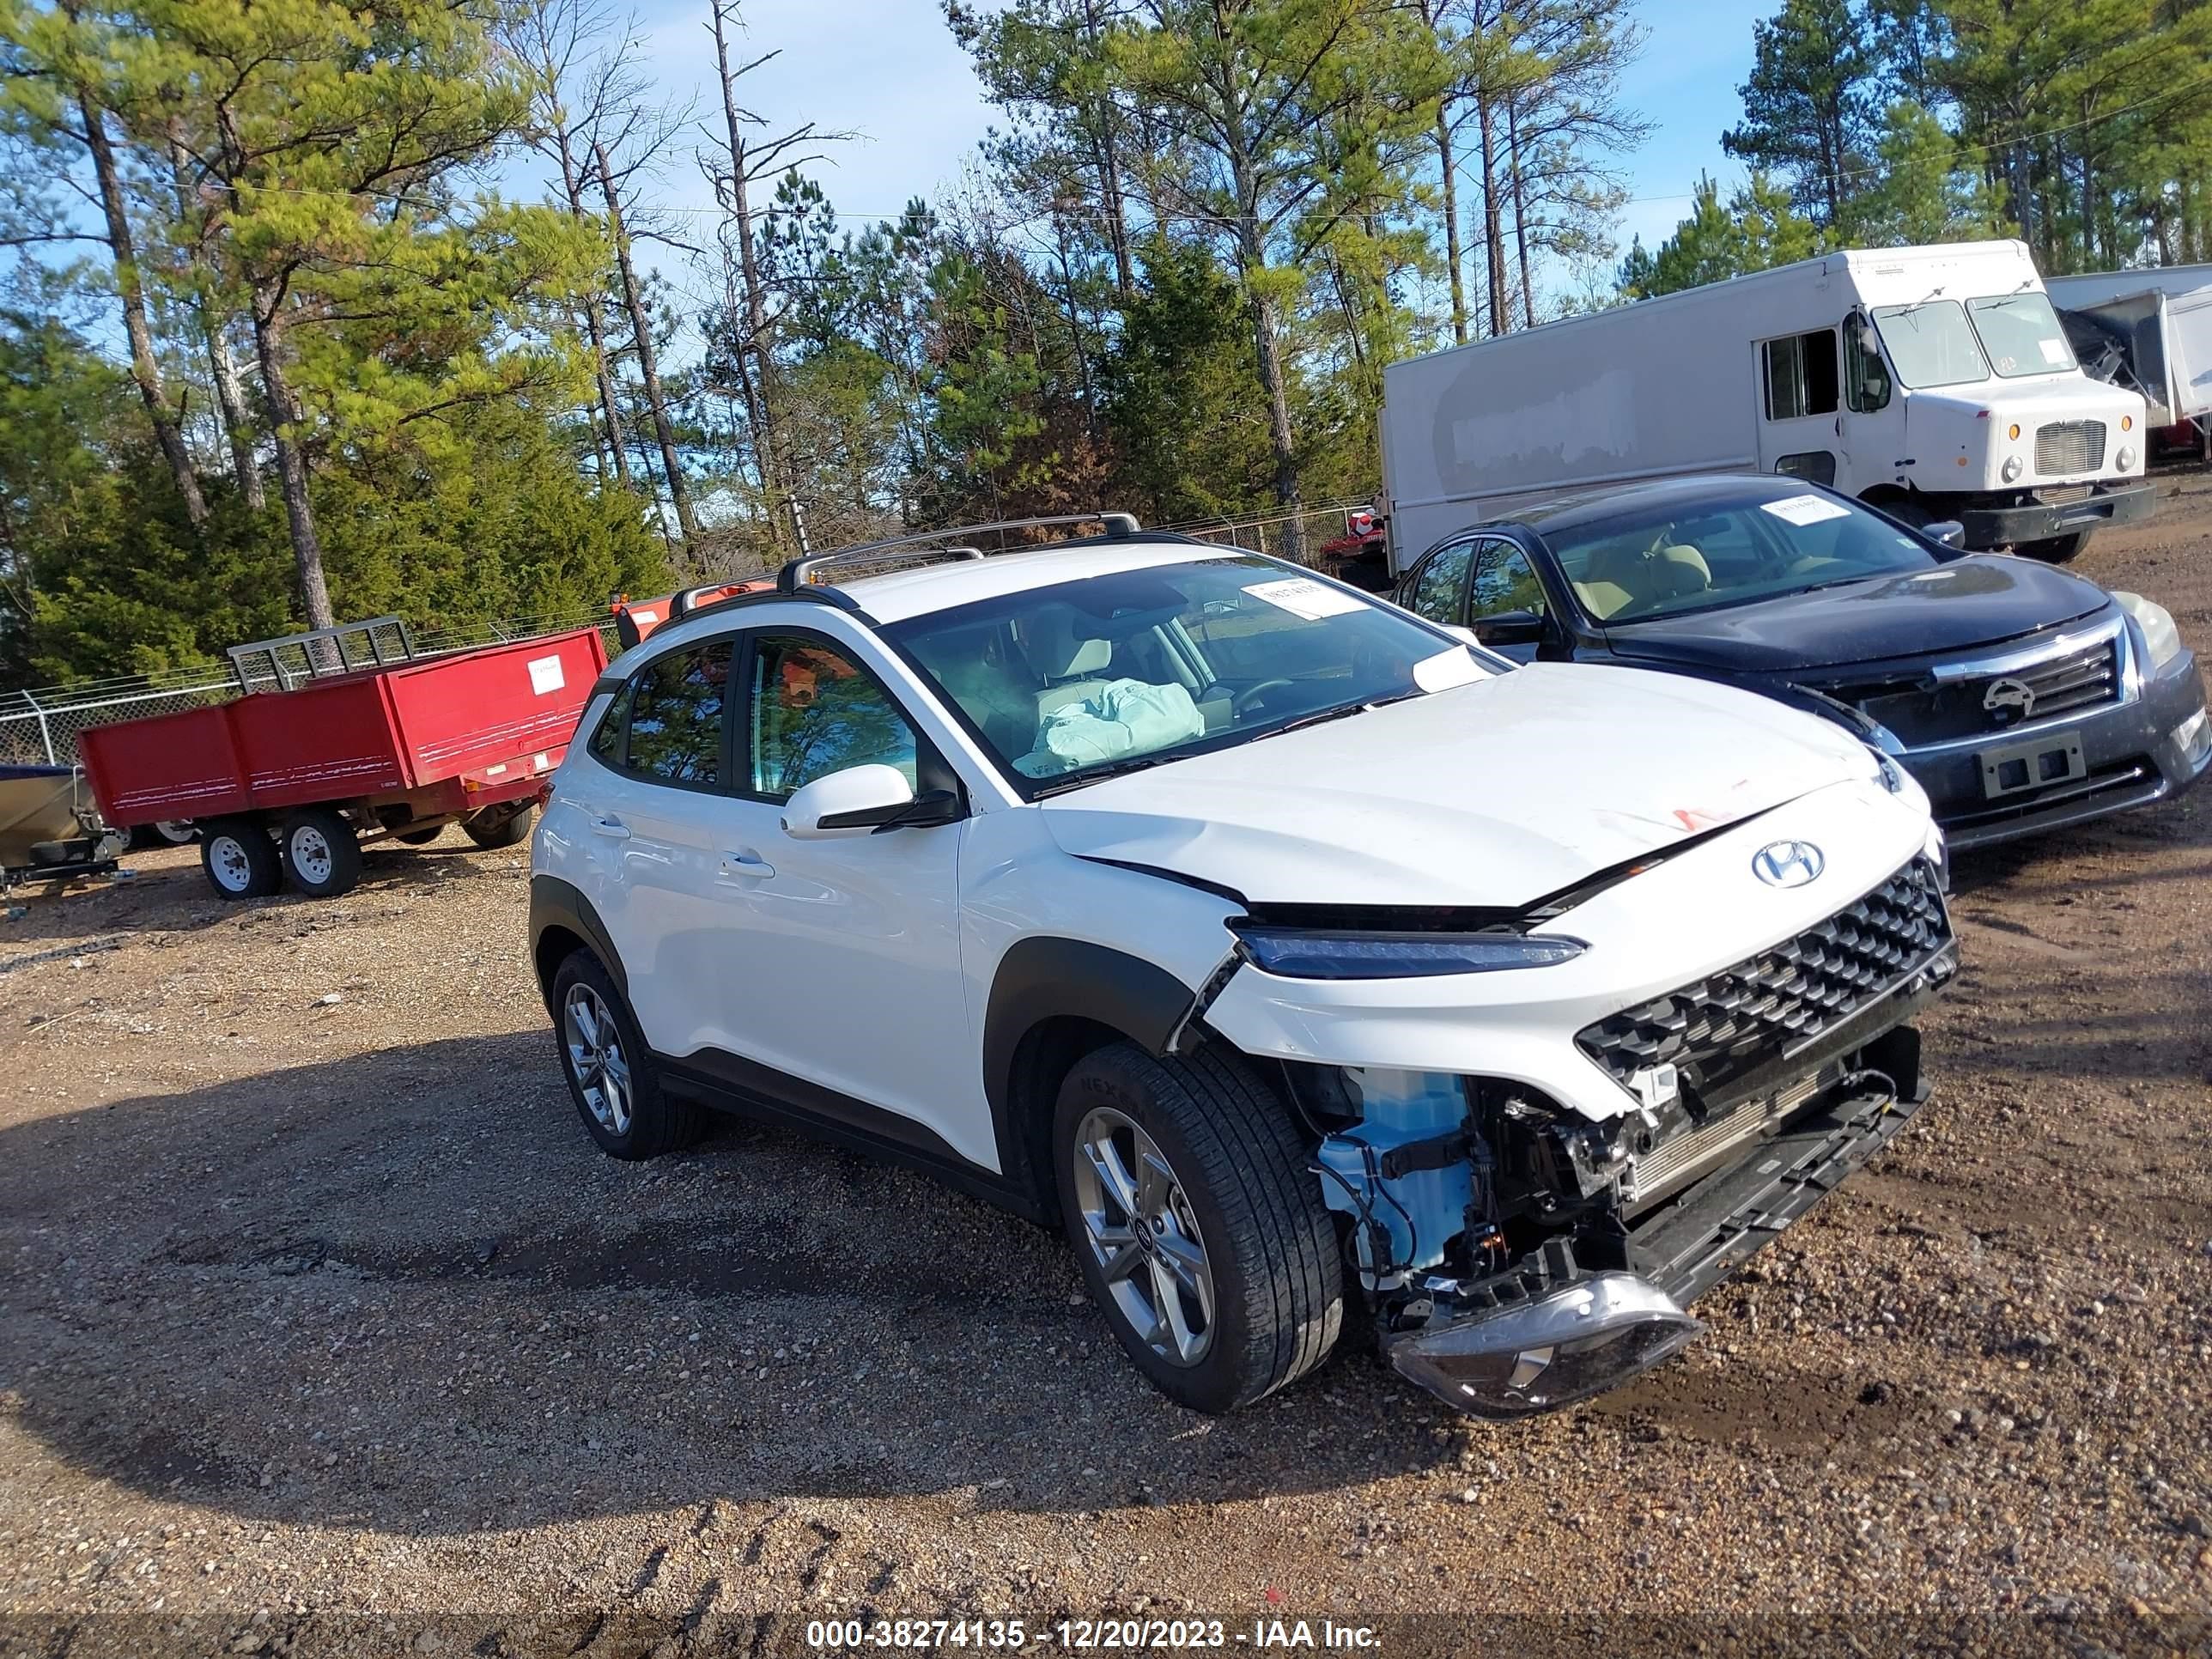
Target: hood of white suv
x=1490, y=795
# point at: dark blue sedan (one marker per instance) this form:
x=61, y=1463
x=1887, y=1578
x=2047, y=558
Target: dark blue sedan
x=2022, y=697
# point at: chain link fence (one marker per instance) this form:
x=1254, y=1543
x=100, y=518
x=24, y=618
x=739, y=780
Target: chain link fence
x=41, y=728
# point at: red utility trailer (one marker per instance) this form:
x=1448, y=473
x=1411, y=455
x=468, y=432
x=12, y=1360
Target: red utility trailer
x=635, y=619
x=346, y=736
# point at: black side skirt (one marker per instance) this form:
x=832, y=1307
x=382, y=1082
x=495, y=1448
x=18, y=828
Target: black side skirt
x=746, y=1088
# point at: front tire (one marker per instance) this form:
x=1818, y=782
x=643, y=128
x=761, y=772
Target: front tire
x=1197, y=1222
x=2058, y=550
x=239, y=859
x=612, y=1075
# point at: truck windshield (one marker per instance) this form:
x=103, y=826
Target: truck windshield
x=1668, y=561
x=1075, y=682
x=2021, y=334
x=1931, y=344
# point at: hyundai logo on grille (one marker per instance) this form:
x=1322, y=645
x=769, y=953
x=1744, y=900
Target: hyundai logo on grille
x=2009, y=693
x=1788, y=863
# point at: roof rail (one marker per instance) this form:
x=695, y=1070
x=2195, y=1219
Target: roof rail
x=934, y=543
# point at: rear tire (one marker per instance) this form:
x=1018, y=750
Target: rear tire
x=418, y=837
x=2058, y=550
x=612, y=1078
x=239, y=859
x=495, y=827
x=1228, y=1231
x=321, y=853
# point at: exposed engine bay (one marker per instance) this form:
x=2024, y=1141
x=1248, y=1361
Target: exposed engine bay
x=1518, y=1256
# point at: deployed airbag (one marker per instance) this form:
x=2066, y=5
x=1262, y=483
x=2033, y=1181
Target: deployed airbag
x=1120, y=717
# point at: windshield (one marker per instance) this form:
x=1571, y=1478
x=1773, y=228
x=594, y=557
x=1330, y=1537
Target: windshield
x=1662, y=562
x=1931, y=344
x=1083, y=678
x=2021, y=334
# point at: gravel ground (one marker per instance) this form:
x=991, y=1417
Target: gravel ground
x=323, y=1327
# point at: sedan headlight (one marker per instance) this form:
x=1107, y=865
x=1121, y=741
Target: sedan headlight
x=1898, y=782
x=1299, y=954
x=2161, y=638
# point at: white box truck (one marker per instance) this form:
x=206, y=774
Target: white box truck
x=1935, y=383
x=2150, y=330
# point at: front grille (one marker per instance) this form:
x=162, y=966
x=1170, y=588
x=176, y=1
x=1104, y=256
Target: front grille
x=1764, y=1008
x=2069, y=447
x=1927, y=710
x=2063, y=494
x=2121, y=783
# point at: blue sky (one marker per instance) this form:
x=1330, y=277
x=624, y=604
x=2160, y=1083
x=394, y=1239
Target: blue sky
x=889, y=70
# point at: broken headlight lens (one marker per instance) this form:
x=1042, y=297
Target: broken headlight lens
x=1298, y=954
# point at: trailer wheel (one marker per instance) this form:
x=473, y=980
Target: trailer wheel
x=418, y=837
x=497, y=827
x=238, y=859
x=321, y=853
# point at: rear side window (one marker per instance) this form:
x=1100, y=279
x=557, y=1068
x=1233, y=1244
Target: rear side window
x=607, y=741
x=675, y=731
x=1801, y=376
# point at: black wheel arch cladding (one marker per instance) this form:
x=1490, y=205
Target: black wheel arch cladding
x=1045, y=980
x=559, y=911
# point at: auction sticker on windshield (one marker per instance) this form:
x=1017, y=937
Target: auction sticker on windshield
x=1805, y=510
x=1301, y=596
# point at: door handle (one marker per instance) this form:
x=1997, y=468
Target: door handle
x=612, y=828
x=747, y=864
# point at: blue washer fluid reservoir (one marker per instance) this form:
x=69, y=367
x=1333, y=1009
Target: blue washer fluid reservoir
x=1421, y=1211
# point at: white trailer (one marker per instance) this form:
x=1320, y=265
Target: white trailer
x=2148, y=330
x=1935, y=383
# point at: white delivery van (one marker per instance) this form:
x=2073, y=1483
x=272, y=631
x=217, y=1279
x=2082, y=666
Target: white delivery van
x=2150, y=330
x=1935, y=383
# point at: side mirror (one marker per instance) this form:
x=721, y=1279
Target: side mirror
x=861, y=799
x=1949, y=531
x=1510, y=628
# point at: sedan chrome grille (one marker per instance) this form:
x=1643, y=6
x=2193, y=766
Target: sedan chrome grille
x=1925, y=709
x=2069, y=447
x=1770, y=1005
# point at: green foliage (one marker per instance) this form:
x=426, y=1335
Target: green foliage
x=1757, y=230
x=1924, y=190
x=1809, y=107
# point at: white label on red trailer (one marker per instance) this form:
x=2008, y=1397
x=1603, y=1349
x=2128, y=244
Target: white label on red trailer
x=545, y=675
x=537, y=762
x=645, y=616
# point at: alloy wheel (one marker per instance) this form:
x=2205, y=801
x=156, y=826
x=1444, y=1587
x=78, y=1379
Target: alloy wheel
x=594, y=1042
x=1143, y=1235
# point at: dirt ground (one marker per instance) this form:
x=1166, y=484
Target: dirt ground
x=322, y=1323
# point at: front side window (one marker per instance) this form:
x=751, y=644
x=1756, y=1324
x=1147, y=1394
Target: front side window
x=1073, y=682
x=1930, y=344
x=1801, y=376
x=1866, y=377
x=675, y=715
x=1504, y=582
x=2020, y=332
x=1757, y=543
x=815, y=711
x=1440, y=583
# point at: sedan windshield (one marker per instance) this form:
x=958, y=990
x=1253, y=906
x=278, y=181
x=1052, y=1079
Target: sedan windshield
x=1663, y=561
x=2021, y=334
x=1930, y=343
x=1076, y=681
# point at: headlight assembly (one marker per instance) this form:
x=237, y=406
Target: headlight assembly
x=1298, y=953
x=2161, y=639
x=2012, y=469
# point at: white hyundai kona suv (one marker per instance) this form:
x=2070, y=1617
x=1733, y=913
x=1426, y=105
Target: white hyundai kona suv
x=1295, y=955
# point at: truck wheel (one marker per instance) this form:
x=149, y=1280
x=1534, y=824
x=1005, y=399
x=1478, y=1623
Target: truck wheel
x=612, y=1075
x=1199, y=1224
x=238, y=859
x=497, y=827
x=418, y=837
x=321, y=852
x=2058, y=550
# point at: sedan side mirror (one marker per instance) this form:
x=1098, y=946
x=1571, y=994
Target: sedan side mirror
x=1949, y=531
x=1510, y=628
x=861, y=799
